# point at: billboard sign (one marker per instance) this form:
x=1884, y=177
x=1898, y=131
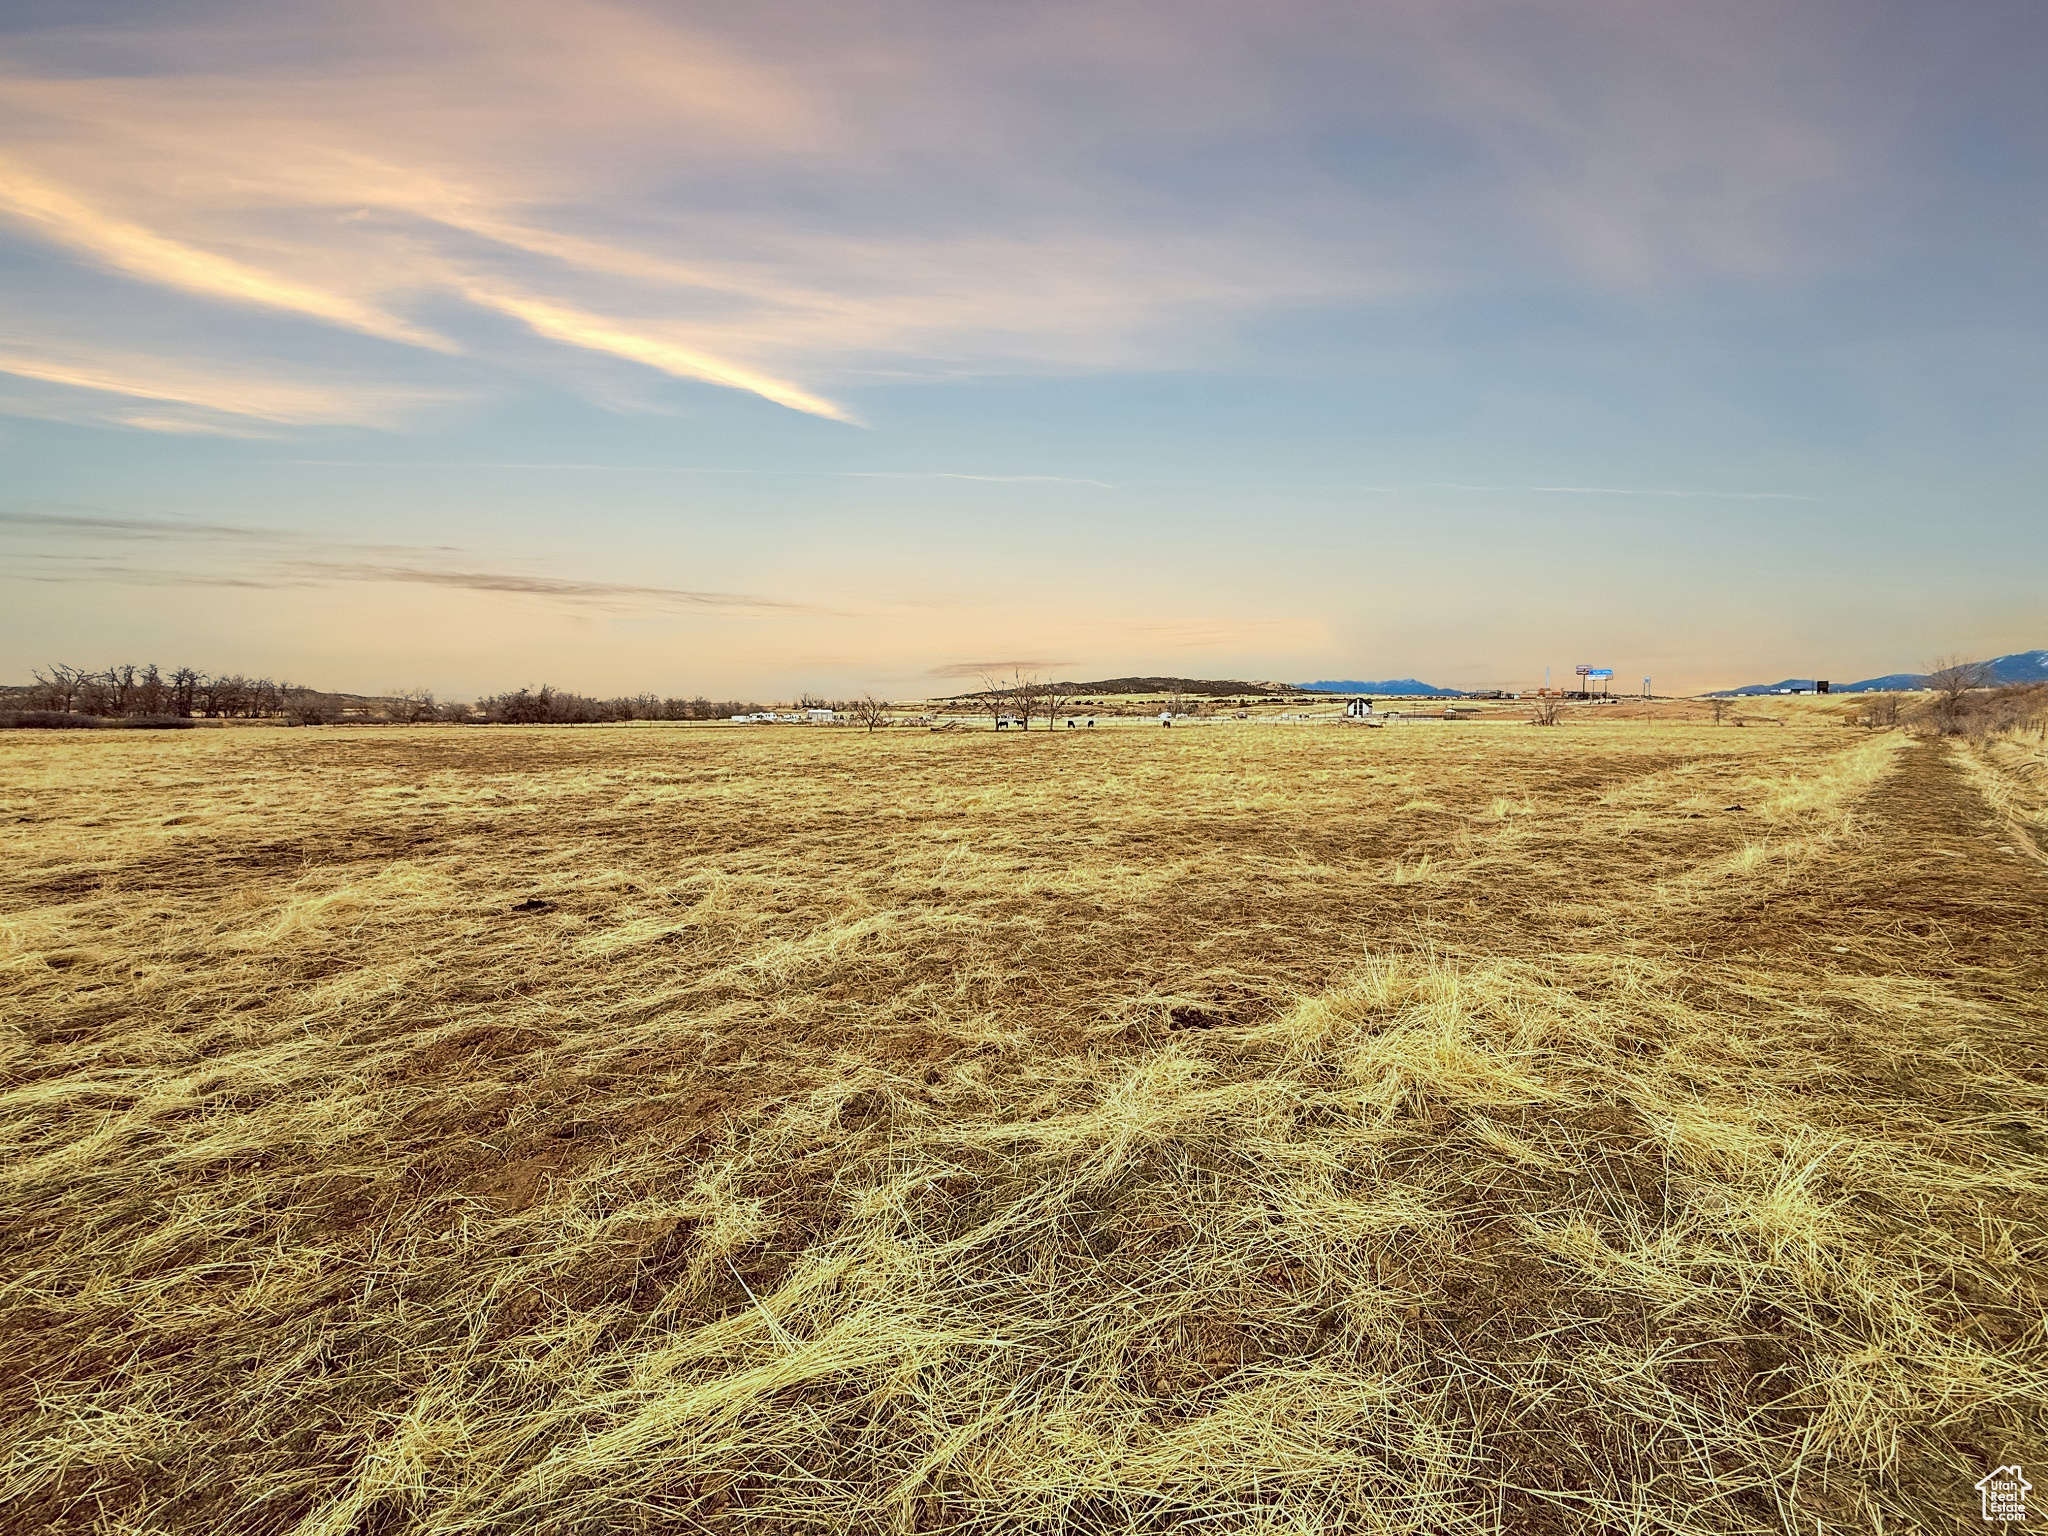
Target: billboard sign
x=1596, y=671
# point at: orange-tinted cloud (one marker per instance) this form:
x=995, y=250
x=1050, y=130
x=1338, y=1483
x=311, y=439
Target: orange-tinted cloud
x=143, y=253
x=254, y=557
x=799, y=202
x=249, y=395
x=996, y=669
x=559, y=322
x=519, y=584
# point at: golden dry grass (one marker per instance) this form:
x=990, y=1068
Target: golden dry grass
x=1238, y=1129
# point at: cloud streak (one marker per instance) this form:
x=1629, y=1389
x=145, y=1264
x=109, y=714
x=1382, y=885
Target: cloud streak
x=91, y=524
x=609, y=592
x=559, y=322
x=142, y=253
x=246, y=394
x=788, y=209
x=995, y=669
x=700, y=469
x=278, y=558
x=1616, y=490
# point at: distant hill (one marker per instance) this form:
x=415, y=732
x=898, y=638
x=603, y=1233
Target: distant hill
x=1208, y=688
x=2019, y=667
x=1790, y=682
x=1406, y=687
x=1891, y=682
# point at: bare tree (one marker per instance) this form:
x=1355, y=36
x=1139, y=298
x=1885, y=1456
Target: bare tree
x=1027, y=689
x=869, y=711
x=122, y=690
x=61, y=685
x=1880, y=711
x=151, y=692
x=992, y=694
x=184, y=687
x=1017, y=697
x=410, y=706
x=1720, y=708
x=1546, y=712
x=1952, y=680
x=1054, y=696
x=305, y=706
x=119, y=685
x=216, y=696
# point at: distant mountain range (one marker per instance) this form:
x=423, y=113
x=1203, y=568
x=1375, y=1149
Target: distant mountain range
x=2019, y=667
x=1406, y=687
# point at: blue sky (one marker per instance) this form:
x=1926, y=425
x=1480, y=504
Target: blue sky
x=869, y=346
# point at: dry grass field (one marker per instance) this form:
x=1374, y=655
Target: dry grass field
x=1621, y=1127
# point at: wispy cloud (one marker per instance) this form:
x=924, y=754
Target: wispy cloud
x=559, y=322
x=789, y=207
x=608, y=592
x=574, y=466
x=248, y=394
x=585, y=163
x=155, y=258
x=1617, y=490
x=87, y=409
x=93, y=524
x=257, y=557
x=995, y=669
x=700, y=469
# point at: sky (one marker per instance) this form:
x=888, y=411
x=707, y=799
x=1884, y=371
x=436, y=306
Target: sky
x=880, y=344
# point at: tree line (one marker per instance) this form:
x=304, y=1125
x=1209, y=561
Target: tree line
x=548, y=705
x=142, y=692
x=61, y=693
x=1026, y=696
x=1023, y=696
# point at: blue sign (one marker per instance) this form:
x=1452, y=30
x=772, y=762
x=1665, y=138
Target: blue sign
x=1599, y=671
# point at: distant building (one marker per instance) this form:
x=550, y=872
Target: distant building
x=1358, y=709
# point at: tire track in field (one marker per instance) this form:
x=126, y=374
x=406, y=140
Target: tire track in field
x=1932, y=884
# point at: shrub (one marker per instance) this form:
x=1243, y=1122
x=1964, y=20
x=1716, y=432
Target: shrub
x=1980, y=712
x=51, y=720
